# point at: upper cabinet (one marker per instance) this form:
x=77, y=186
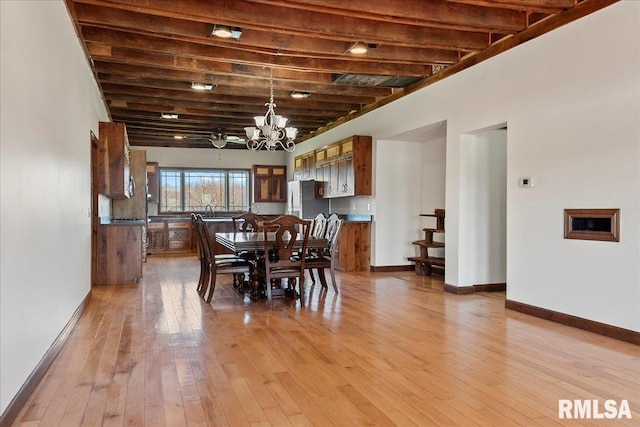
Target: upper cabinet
x=305, y=167
x=115, y=156
x=269, y=183
x=152, y=181
x=345, y=167
x=134, y=207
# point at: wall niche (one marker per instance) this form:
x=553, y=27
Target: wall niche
x=592, y=224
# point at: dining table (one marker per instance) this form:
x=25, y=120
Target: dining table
x=238, y=242
x=253, y=242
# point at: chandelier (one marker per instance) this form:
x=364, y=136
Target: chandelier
x=270, y=130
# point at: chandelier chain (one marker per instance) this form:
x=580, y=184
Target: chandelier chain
x=269, y=131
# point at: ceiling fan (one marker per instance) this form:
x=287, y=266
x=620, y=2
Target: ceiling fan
x=218, y=139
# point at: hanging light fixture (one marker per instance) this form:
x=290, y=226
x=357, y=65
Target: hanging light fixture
x=218, y=139
x=270, y=130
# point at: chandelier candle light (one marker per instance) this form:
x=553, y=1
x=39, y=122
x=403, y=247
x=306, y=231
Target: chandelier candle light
x=270, y=130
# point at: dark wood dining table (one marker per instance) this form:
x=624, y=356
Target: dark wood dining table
x=254, y=242
x=241, y=242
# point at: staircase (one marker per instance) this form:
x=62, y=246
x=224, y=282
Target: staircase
x=426, y=263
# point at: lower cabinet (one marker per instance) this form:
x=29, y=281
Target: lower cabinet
x=354, y=246
x=170, y=237
x=179, y=236
x=156, y=237
x=120, y=254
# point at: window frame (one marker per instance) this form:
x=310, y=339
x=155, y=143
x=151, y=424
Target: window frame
x=182, y=171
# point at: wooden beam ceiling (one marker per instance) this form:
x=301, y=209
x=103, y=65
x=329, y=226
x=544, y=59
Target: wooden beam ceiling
x=145, y=55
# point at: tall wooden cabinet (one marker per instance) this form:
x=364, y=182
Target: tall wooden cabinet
x=269, y=183
x=136, y=205
x=152, y=182
x=114, y=159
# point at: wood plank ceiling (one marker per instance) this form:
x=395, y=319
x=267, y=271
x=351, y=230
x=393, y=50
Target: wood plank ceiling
x=147, y=53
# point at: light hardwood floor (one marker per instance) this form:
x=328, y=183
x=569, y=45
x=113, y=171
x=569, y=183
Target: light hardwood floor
x=390, y=349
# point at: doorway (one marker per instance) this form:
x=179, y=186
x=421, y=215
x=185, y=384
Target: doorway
x=483, y=209
x=95, y=220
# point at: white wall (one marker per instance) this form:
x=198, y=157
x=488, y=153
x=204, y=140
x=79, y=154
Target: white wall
x=483, y=208
x=571, y=100
x=49, y=105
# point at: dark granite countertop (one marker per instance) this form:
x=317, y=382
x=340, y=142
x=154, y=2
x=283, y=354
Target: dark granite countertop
x=131, y=222
x=357, y=218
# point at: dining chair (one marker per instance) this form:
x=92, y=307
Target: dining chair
x=279, y=262
x=318, y=228
x=247, y=221
x=328, y=258
x=219, y=264
x=199, y=225
x=201, y=255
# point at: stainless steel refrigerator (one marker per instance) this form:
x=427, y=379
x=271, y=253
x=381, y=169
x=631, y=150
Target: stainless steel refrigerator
x=302, y=201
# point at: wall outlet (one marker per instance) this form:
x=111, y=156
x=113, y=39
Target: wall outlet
x=526, y=182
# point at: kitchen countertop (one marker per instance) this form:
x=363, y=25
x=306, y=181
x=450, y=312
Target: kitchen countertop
x=356, y=218
x=113, y=222
x=186, y=218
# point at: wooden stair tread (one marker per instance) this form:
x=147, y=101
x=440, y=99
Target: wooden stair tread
x=427, y=244
x=428, y=260
x=424, y=263
x=434, y=230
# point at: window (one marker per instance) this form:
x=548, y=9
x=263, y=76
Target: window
x=189, y=190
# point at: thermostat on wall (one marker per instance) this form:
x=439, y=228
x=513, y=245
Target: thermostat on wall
x=526, y=182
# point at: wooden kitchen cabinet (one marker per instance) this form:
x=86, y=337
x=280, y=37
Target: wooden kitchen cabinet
x=269, y=183
x=114, y=161
x=170, y=236
x=157, y=237
x=120, y=260
x=152, y=182
x=134, y=207
x=179, y=236
x=345, y=167
x=354, y=246
x=305, y=167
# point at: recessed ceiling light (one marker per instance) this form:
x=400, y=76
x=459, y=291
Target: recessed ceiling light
x=169, y=115
x=226, y=32
x=359, y=48
x=178, y=137
x=201, y=86
x=299, y=95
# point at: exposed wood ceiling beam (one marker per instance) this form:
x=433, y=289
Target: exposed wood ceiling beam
x=146, y=53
